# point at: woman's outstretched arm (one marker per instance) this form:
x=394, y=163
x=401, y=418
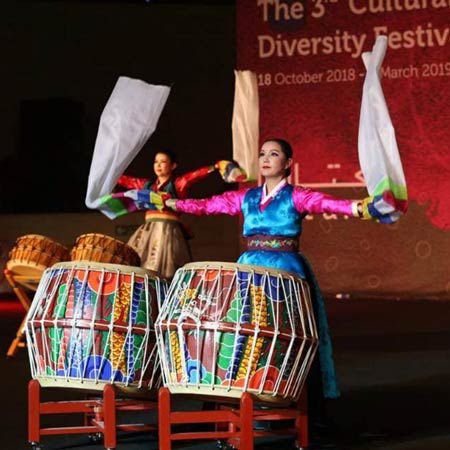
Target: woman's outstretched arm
x=132, y=182
x=312, y=202
x=184, y=182
x=229, y=202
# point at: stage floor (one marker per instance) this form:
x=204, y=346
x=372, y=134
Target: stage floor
x=393, y=365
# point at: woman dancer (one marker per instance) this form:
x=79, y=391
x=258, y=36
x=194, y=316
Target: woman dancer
x=162, y=241
x=273, y=215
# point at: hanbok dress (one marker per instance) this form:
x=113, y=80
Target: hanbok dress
x=162, y=241
x=272, y=225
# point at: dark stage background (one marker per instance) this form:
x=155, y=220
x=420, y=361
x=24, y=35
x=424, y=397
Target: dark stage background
x=63, y=59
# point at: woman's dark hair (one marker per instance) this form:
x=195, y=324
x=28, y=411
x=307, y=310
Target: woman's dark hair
x=285, y=148
x=170, y=153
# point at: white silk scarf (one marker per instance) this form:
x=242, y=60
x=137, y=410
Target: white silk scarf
x=128, y=120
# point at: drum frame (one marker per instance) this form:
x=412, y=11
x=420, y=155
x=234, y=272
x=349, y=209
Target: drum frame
x=92, y=325
x=164, y=325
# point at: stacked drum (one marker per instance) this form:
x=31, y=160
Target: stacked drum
x=32, y=254
x=101, y=248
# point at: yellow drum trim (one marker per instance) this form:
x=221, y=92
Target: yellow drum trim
x=176, y=354
x=121, y=309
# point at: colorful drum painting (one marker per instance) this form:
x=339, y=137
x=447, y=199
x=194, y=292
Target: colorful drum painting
x=228, y=328
x=91, y=324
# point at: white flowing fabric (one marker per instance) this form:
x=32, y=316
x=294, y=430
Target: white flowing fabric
x=128, y=120
x=245, y=123
x=377, y=147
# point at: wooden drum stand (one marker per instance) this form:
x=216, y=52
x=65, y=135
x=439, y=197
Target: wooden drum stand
x=100, y=416
x=234, y=425
x=16, y=282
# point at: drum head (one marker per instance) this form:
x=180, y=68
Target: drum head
x=33, y=253
x=216, y=265
x=25, y=269
x=108, y=267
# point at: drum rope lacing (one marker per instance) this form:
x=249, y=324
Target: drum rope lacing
x=187, y=312
x=81, y=337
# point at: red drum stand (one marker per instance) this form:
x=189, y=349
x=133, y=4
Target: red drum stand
x=100, y=415
x=234, y=426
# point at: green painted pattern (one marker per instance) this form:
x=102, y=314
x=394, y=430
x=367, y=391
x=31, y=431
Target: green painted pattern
x=56, y=334
x=207, y=379
x=226, y=340
x=138, y=352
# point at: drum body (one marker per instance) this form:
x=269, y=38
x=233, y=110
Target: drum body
x=229, y=328
x=105, y=249
x=91, y=324
x=33, y=253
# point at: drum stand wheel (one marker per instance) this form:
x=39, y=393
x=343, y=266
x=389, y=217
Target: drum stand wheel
x=234, y=425
x=224, y=445
x=95, y=438
x=35, y=446
x=100, y=421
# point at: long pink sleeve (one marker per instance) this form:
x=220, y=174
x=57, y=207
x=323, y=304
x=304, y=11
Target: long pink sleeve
x=309, y=201
x=229, y=202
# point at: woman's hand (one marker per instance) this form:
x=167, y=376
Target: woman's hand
x=362, y=208
x=159, y=199
x=377, y=208
x=230, y=171
x=368, y=210
x=149, y=199
x=171, y=204
x=365, y=210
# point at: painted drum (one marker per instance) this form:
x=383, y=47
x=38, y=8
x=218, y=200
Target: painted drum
x=226, y=329
x=98, y=247
x=90, y=324
x=33, y=253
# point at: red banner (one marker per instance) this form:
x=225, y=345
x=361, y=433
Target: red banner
x=307, y=56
